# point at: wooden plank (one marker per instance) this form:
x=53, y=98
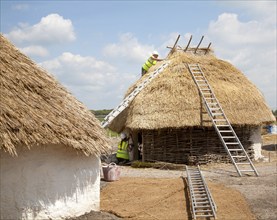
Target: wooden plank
x=179, y=47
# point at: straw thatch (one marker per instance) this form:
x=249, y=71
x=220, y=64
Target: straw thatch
x=37, y=110
x=172, y=100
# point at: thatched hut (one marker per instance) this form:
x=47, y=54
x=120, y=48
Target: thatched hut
x=49, y=142
x=168, y=113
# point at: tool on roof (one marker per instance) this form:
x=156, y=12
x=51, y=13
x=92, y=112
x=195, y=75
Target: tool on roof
x=226, y=133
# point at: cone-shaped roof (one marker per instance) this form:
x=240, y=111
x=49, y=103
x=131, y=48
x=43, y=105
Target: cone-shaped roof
x=36, y=109
x=172, y=99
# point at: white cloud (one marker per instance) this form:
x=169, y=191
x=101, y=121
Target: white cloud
x=78, y=70
x=35, y=50
x=128, y=48
x=51, y=29
x=262, y=10
x=251, y=46
x=94, y=82
x=238, y=33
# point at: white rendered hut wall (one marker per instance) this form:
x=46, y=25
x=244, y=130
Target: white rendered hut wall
x=193, y=145
x=256, y=140
x=50, y=182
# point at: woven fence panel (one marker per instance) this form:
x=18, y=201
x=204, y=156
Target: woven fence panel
x=190, y=146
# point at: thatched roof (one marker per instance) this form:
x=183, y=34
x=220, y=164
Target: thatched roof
x=172, y=100
x=37, y=110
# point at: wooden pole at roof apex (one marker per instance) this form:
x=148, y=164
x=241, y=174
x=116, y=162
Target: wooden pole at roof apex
x=199, y=44
x=176, y=41
x=171, y=51
x=208, y=48
x=188, y=43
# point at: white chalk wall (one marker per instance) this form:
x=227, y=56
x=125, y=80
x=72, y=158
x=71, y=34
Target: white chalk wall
x=48, y=182
x=256, y=139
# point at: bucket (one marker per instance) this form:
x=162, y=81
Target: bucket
x=273, y=129
x=111, y=172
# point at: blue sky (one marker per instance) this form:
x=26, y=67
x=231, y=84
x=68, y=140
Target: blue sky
x=96, y=48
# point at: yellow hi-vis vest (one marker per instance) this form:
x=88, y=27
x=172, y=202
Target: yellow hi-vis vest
x=122, y=150
x=150, y=62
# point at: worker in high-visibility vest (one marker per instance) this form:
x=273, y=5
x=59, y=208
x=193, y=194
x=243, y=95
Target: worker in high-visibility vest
x=122, y=153
x=150, y=62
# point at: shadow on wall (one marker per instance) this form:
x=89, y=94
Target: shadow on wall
x=51, y=181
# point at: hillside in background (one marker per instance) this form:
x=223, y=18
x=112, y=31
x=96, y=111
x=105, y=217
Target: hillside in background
x=101, y=114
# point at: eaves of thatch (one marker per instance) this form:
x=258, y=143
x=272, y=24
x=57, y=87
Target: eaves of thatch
x=172, y=100
x=37, y=110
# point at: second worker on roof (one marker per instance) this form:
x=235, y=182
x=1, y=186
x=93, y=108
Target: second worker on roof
x=152, y=60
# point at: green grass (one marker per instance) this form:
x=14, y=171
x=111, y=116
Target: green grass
x=111, y=133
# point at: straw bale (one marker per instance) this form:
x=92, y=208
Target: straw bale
x=37, y=110
x=172, y=100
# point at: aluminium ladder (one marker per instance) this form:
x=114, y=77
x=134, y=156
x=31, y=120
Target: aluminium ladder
x=202, y=203
x=226, y=133
x=125, y=103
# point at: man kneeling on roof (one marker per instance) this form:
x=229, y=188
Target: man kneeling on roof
x=150, y=62
x=122, y=154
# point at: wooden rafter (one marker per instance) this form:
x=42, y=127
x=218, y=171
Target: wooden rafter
x=188, y=43
x=208, y=48
x=195, y=50
x=174, y=46
x=199, y=44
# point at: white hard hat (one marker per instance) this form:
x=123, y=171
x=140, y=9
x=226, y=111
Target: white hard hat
x=122, y=135
x=155, y=53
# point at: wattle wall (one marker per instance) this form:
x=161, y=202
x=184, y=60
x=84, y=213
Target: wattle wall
x=48, y=182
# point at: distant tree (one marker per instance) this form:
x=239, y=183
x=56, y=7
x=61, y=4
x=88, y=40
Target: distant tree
x=101, y=112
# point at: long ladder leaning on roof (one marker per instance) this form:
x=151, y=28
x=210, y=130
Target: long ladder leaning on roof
x=202, y=203
x=226, y=133
x=125, y=103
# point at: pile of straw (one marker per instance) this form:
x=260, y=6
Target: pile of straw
x=37, y=110
x=172, y=100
